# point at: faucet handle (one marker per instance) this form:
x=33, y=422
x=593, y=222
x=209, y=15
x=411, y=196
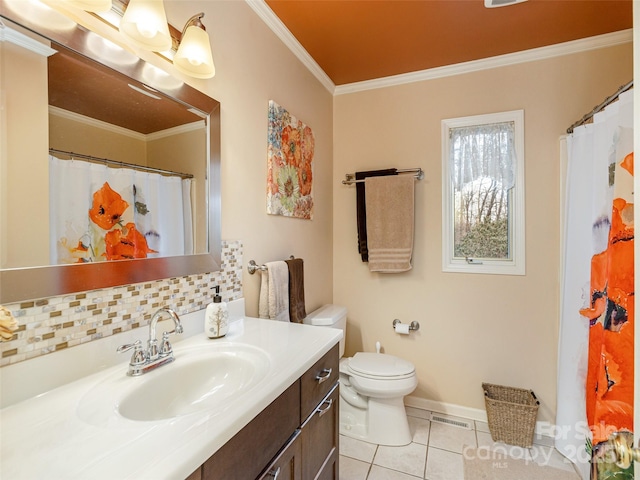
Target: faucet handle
x=165, y=345
x=138, y=357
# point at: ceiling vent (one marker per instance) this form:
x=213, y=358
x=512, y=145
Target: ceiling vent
x=501, y=3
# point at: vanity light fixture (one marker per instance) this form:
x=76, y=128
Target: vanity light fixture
x=145, y=23
x=194, y=56
x=95, y=6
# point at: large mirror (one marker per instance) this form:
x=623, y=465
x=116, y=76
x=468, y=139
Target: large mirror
x=80, y=109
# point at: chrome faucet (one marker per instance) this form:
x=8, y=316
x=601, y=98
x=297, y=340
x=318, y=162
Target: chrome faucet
x=143, y=361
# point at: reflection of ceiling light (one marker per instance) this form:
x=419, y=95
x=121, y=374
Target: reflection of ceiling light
x=194, y=53
x=159, y=78
x=90, y=5
x=144, y=92
x=145, y=24
x=40, y=14
x=501, y=3
x=108, y=50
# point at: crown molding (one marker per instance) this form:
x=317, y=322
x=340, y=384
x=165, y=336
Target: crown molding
x=532, y=55
x=76, y=117
x=283, y=33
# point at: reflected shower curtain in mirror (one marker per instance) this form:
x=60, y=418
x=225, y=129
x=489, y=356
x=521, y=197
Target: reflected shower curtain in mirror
x=97, y=213
x=595, y=353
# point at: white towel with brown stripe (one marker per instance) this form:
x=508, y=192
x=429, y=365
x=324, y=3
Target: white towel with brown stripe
x=390, y=219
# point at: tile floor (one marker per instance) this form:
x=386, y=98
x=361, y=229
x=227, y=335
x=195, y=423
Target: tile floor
x=435, y=452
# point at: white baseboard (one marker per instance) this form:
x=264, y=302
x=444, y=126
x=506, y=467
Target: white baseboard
x=542, y=428
x=446, y=408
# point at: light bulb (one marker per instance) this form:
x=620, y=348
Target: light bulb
x=194, y=56
x=145, y=23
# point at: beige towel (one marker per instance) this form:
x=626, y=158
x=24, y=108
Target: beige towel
x=274, y=292
x=389, y=202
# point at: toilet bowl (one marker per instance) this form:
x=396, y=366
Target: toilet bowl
x=372, y=388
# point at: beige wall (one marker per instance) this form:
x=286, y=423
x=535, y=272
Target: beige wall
x=252, y=67
x=76, y=136
x=474, y=328
x=186, y=153
x=24, y=239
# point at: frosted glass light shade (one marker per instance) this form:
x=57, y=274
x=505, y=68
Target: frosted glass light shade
x=145, y=24
x=91, y=5
x=194, y=56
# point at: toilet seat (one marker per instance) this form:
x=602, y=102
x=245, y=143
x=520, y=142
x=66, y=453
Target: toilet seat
x=380, y=366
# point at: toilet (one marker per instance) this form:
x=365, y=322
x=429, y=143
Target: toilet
x=372, y=388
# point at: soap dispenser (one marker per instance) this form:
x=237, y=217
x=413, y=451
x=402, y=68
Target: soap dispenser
x=216, y=318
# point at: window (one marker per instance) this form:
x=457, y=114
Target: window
x=483, y=194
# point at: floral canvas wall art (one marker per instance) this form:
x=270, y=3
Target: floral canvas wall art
x=290, y=154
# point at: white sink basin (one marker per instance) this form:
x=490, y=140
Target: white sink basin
x=204, y=378
x=195, y=383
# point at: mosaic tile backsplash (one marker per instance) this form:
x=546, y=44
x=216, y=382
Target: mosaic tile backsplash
x=50, y=324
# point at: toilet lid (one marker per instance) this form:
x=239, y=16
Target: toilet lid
x=380, y=365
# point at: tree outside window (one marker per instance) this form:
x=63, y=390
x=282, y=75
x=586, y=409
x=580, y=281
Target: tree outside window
x=483, y=214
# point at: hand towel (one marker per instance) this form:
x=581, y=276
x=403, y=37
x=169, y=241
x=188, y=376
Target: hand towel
x=361, y=216
x=278, y=293
x=263, y=302
x=297, y=312
x=390, y=216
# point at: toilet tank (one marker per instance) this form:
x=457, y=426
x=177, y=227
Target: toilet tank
x=334, y=316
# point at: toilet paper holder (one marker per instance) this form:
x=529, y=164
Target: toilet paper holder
x=413, y=326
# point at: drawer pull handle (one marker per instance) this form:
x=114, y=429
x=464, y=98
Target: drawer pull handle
x=324, y=375
x=322, y=411
x=274, y=473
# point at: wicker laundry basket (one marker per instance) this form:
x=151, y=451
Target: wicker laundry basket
x=511, y=413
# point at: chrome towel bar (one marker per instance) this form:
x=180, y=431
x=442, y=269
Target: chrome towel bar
x=350, y=178
x=253, y=267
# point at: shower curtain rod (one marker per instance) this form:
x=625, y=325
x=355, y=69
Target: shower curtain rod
x=600, y=107
x=107, y=161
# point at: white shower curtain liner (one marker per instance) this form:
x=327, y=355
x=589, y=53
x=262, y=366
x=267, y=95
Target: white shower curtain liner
x=588, y=197
x=160, y=206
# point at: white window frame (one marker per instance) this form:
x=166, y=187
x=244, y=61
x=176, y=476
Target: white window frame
x=516, y=264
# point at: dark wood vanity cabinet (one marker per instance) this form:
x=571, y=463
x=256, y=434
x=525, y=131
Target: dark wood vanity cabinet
x=294, y=438
x=288, y=463
x=319, y=439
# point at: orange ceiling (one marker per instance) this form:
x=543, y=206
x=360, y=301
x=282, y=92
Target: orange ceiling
x=356, y=40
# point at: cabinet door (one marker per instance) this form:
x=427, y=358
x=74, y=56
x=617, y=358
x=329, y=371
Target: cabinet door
x=246, y=454
x=320, y=440
x=318, y=381
x=287, y=465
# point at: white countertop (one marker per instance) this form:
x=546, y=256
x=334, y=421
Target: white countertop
x=55, y=435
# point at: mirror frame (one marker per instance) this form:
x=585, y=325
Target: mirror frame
x=23, y=284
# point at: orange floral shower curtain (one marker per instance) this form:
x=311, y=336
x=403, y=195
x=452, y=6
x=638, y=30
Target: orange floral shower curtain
x=611, y=315
x=98, y=213
x=596, y=350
